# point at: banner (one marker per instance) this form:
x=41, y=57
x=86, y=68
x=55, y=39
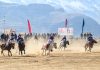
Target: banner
x=65, y=31
x=29, y=27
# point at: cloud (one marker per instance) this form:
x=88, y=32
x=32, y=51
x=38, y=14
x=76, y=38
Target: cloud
x=74, y=4
x=97, y=7
x=26, y=2
x=87, y=7
x=11, y=1
x=77, y=5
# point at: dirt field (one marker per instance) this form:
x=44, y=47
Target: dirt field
x=73, y=58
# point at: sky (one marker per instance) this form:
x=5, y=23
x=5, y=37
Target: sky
x=87, y=7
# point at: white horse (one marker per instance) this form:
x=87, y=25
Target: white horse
x=46, y=51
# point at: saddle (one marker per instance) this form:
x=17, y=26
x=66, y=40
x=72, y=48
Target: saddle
x=64, y=43
x=47, y=46
x=89, y=44
x=4, y=46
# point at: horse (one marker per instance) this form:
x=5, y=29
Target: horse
x=49, y=48
x=7, y=47
x=89, y=45
x=21, y=46
x=4, y=37
x=36, y=37
x=63, y=44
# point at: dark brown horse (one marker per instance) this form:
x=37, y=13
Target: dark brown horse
x=21, y=46
x=89, y=45
x=7, y=47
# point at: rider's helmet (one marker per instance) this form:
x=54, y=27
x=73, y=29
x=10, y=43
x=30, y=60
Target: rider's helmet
x=19, y=35
x=90, y=37
x=64, y=36
x=52, y=37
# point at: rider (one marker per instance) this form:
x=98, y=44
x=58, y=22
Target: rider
x=50, y=41
x=12, y=36
x=90, y=38
x=64, y=39
x=20, y=39
x=8, y=42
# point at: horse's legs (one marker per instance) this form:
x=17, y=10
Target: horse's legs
x=86, y=48
x=90, y=49
x=24, y=51
x=48, y=52
x=64, y=48
x=45, y=51
x=2, y=53
x=60, y=47
x=10, y=53
x=21, y=53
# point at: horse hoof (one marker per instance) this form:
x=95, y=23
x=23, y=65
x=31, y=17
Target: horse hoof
x=51, y=50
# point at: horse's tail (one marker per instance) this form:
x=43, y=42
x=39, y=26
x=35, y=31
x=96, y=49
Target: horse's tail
x=68, y=42
x=0, y=46
x=86, y=45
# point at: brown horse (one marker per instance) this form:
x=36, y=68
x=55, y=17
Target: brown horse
x=7, y=47
x=89, y=45
x=49, y=49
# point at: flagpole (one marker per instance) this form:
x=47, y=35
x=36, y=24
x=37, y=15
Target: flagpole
x=82, y=30
x=66, y=23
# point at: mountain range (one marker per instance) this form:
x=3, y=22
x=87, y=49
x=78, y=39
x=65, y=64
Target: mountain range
x=44, y=18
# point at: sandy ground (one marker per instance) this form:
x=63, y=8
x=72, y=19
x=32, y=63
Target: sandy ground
x=73, y=58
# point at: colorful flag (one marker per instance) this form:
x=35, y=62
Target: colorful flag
x=29, y=27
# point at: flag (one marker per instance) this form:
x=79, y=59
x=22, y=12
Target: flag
x=29, y=27
x=83, y=25
x=66, y=23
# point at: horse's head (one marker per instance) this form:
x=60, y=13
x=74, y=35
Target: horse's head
x=67, y=42
x=3, y=45
x=94, y=41
x=55, y=45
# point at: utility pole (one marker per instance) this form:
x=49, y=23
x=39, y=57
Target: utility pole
x=4, y=21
